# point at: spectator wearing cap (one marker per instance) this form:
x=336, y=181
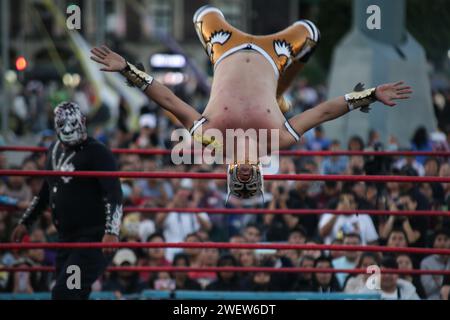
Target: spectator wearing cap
x=129, y=230
x=432, y=283
x=349, y=259
x=391, y=287
x=124, y=282
x=177, y=225
x=147, y=135
x=47, y=137
x=332, y=226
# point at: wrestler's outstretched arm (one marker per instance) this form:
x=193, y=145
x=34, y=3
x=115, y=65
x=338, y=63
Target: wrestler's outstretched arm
x=156, y=91
x=334, y=108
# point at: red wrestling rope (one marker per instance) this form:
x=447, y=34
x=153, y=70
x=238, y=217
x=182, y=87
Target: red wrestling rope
x=288, y=211
x=222, y=176
x=281, y=152
x=220, y=245
x=425, y=213
x=238, y=269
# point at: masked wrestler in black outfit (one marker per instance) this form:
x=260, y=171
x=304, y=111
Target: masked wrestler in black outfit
x=84, y=209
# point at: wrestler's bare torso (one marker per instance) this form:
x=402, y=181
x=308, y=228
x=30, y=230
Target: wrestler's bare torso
x=243, y=96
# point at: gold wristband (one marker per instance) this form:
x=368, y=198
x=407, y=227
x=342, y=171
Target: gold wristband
x=136, y=77
x=361, y=98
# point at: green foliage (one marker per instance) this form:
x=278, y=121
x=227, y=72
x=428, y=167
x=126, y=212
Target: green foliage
x=429, y=22
x=334, y=21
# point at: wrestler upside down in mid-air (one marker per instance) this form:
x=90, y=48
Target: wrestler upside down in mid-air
x=251, y=74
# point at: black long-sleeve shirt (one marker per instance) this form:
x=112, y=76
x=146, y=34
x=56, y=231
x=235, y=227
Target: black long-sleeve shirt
x=79, y=205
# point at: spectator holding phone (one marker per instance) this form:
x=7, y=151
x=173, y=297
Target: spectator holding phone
x=414, y=227
x=332, y=226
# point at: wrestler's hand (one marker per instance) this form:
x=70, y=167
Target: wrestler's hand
x=111, y=60
x=109, y=238
x=387, y=93
x=18, y=233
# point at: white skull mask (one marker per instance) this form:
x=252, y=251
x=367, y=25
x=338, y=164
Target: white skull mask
x=70, y=124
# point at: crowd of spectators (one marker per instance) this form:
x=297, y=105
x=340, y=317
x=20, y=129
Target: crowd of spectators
x=358, y=229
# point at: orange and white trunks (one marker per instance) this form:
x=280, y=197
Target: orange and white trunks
x=287, y=51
